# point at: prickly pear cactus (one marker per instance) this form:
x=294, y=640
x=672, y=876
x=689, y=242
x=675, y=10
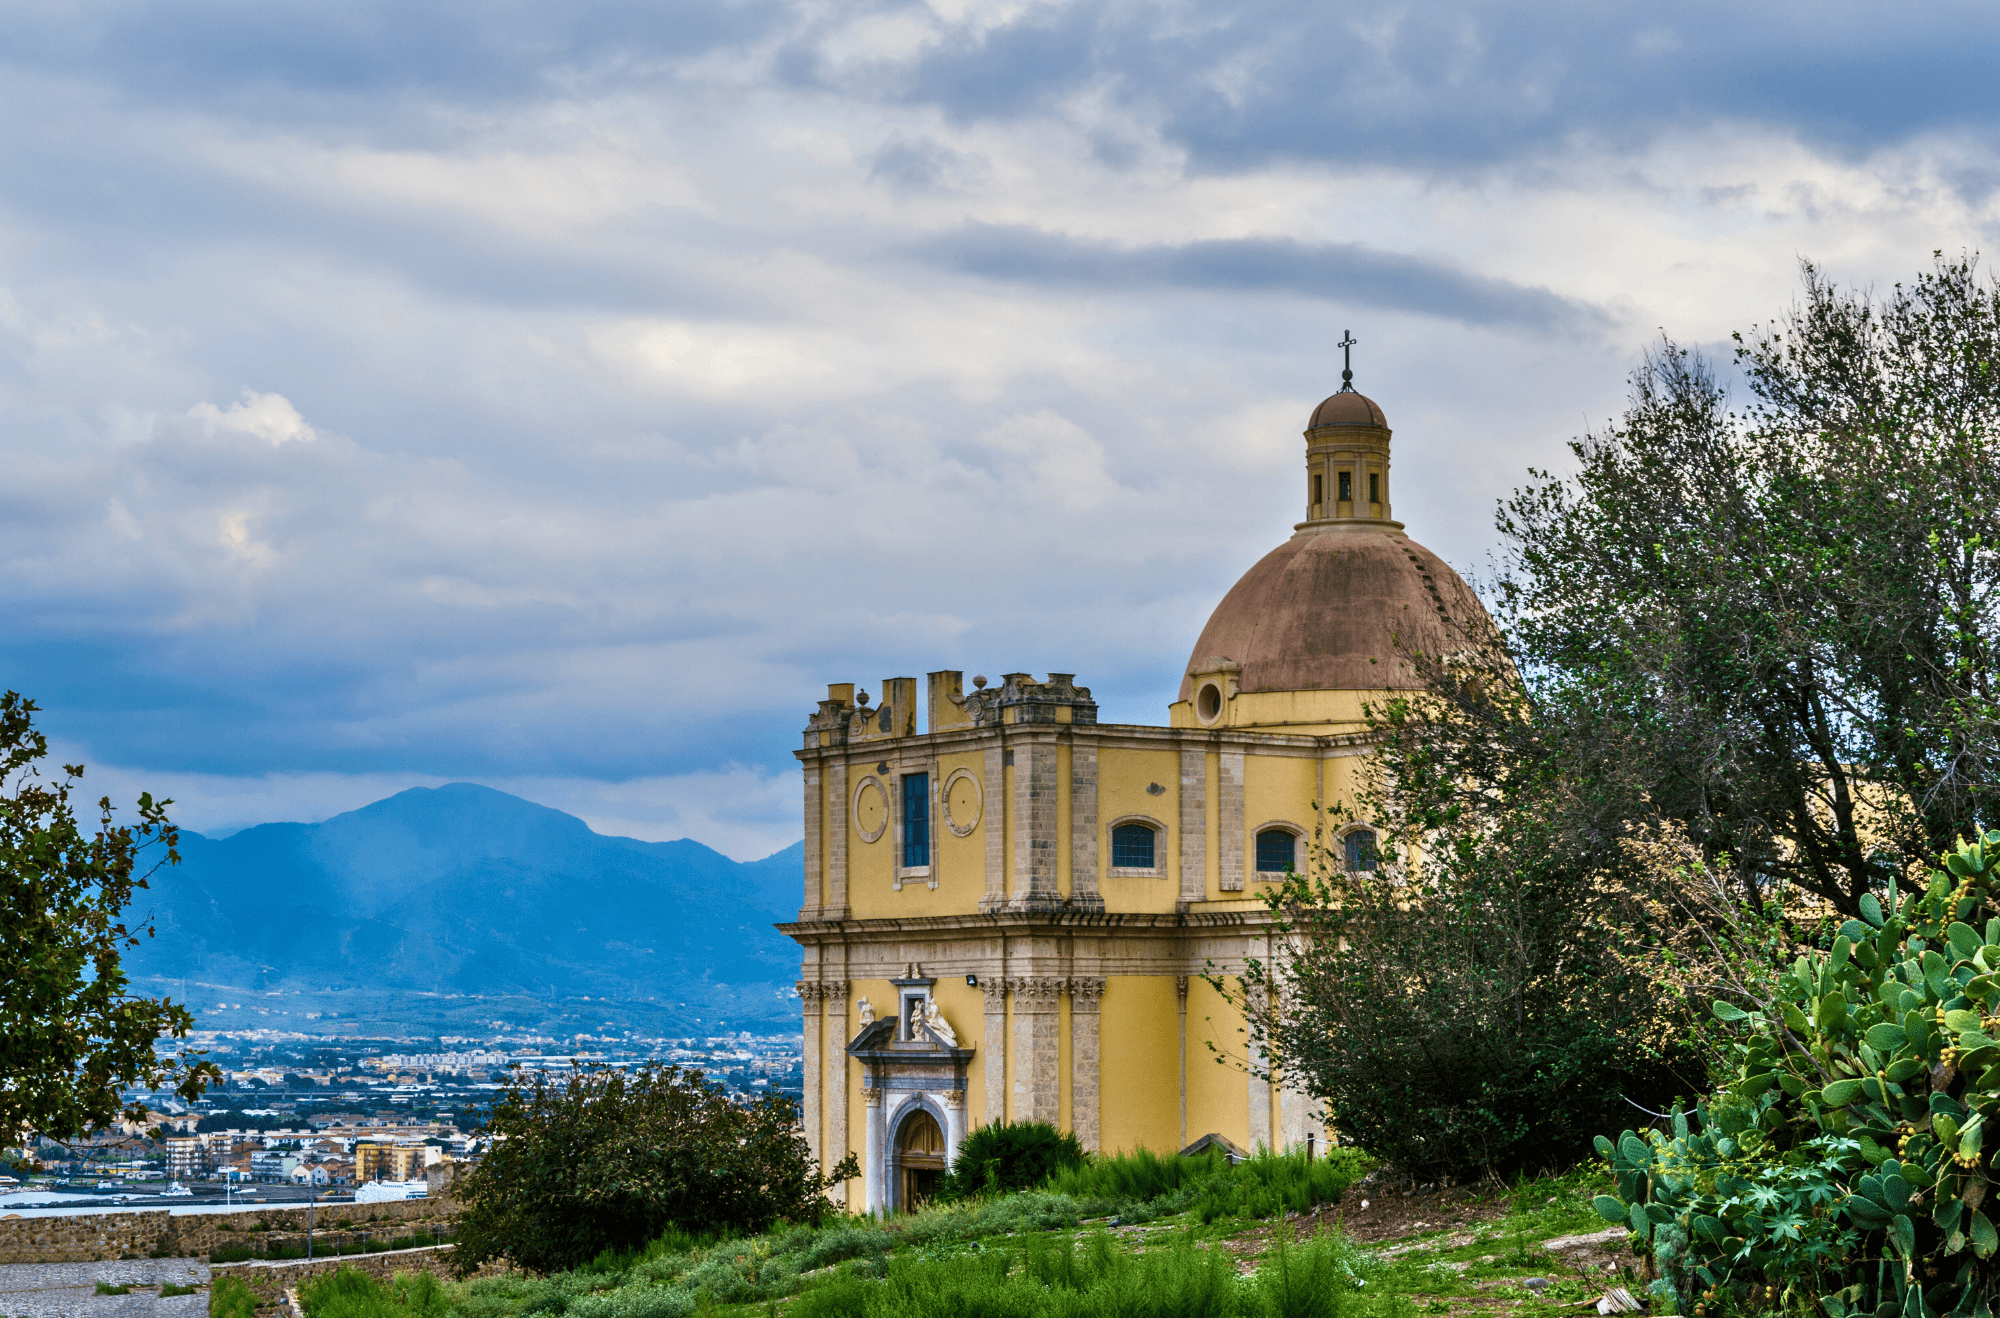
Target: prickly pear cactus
x=1845, y=1165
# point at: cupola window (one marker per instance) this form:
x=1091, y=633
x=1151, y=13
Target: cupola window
x=1132, y=847
x=1347, y=487
x=1319, y=489
x=1374, y=488
x=1277, y=851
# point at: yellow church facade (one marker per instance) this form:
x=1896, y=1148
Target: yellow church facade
x=1009, y=907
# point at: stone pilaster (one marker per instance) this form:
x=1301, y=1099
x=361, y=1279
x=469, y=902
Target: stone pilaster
x=1037, y=1045
x=1260, y=1085
x=993, y=819
x=993, y=1055
x=1084, y=997
x=1035, y=825
x=809, y=1000
x=838, y=826
x=1229, y=820
x=1180, y=1035
x=836, y=1069
x=874, y=1153
x=1083, y=825
x=809, y=905
x=1194, y=826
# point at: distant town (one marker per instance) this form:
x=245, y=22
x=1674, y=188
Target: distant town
x=329, y=1117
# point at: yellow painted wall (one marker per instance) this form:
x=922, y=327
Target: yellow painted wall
x=1122, y=778
x=1139, y=1088
x=1218, y=1095
x=1277, y=789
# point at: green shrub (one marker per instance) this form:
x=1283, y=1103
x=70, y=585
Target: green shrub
x=1008, y=1156
x=106, y=1288
x=168, y=1290
x=1138, y=1176
x=608, y=1160
x=1845, y=1161
x=230, y=1298
x=348, y=1293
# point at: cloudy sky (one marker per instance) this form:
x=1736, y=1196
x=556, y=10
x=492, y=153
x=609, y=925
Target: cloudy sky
x=558, y=396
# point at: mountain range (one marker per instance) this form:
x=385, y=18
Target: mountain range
x=465, y=894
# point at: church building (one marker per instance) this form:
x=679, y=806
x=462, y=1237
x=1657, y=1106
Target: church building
x=1009, y=906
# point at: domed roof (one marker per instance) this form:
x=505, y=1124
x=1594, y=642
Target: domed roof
x=1347, y=408
x=1337, y=609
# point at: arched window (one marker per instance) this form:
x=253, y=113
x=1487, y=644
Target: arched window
x=1361, y=852
x=1277, y=851
x=1132, y=847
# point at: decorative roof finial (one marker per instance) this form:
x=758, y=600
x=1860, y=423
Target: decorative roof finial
x=1346, y=346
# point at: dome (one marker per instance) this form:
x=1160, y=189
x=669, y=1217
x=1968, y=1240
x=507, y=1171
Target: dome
x=1347, y=408
x=1337, y=609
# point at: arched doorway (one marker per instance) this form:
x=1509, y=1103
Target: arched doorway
x=919, y=1159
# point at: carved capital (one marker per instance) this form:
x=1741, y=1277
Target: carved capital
x=1085, y=994
x=835, y=989
x=1181, y=988
x=872, y=1097
x=1037, y=993
x=996, y=995
x=810, y=993
x=954, y=1099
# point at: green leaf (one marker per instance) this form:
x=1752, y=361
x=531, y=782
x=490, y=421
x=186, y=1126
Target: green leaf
x=1605, y=1151
x=1984, y=1238
x=1871, y=910
x=1905, y=1068
x=1831, y=1011
x=1840, y=1093
x=1964, y=939
x=1642, y=1226
x=1611, y=1210
x=1753, y=1086
x=1961, y=1021
x=1727, y=1012
x=1903, y=1236
x=1886, y=1038
x=1794, y=1017
x=1867, y=1214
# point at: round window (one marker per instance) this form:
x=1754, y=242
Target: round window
x=1208, y=703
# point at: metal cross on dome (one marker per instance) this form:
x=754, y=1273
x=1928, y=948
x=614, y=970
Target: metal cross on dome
x=1346, y=346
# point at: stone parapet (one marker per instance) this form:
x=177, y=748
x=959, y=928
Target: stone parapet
x=96, y=1237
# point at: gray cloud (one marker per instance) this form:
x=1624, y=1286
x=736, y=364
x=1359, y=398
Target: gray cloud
x=1348, y=273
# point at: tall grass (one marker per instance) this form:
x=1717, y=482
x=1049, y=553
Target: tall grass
x=1097, y=1280
x=1138, y=1176
x=1258, y=1187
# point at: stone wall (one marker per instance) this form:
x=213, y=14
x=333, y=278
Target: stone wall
x=269, y=1281
x=94, y=1237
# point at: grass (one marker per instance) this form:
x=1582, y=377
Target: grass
x=168, y=1290
x=106, y=1288
x=1133, y=1237
x=230, y=1298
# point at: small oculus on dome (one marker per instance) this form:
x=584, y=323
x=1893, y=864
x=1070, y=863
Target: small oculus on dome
x=1346, y=346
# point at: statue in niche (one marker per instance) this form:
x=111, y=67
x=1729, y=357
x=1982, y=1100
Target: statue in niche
x=939, y=1027
x=867, y=1010
x=916, y=1019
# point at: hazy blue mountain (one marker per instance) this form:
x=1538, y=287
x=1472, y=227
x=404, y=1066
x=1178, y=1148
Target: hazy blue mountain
x=465, y=890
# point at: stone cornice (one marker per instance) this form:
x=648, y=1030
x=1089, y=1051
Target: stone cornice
x=949, y=740
x=1239, y=915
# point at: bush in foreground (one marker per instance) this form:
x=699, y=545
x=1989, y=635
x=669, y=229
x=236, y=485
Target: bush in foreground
x=1009, y=1156
x=1846, y=1162
x=609, y=1160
